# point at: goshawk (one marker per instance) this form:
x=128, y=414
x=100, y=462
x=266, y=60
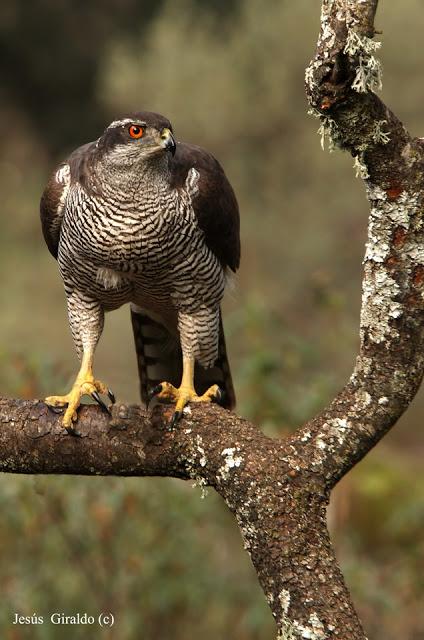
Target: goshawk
x=135, y=217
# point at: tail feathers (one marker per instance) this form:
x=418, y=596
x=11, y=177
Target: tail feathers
x=159, y=358
x=158, y=353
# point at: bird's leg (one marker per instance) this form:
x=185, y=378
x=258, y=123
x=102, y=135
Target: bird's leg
x=186, y=392
x=85, y=384
x=86, y=322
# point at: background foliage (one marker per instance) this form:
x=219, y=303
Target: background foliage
x=230, y=76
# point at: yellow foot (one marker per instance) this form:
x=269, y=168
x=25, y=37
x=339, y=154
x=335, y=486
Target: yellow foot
x=86, y=385
x=182, y=396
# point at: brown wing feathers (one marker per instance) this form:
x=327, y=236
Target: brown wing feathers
x=215, y=205
x=53, y=199
x=51, y=211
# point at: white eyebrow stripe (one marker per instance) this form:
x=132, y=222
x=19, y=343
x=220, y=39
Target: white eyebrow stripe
x=121, y=123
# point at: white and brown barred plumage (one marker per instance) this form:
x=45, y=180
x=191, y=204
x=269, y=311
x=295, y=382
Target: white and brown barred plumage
x=128, y=221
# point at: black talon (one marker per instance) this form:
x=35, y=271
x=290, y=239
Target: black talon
x=154, y=391
x=73, y=432
x=111, y=396
x=55, y=409
x=219, y=396
x=175, y=420
x=99, y=401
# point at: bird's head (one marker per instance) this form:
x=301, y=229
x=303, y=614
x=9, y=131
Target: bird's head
x=137, y=138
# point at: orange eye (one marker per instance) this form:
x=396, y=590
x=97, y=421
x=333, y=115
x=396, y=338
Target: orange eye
x=135, y=131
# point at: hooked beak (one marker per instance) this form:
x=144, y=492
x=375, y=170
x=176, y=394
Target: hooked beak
x=168, y=140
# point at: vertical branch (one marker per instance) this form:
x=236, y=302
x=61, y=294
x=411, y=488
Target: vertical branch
x=340, y=84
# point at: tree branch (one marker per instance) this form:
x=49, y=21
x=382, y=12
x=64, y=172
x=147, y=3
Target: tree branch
x=390, y=365
x=279, y=490
x=278, y=501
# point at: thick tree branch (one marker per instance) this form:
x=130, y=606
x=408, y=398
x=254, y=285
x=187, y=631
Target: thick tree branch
x=278, y=500
x=389, y=368
x=278, y=490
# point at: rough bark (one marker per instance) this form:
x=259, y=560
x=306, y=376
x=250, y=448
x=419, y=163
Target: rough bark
x=279, y=500
x=279, y=489
x=389, y=368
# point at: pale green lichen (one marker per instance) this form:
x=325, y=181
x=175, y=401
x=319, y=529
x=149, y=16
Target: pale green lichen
x=287, y=630
x=306, y=436
x=327, y=33
x=377, y=248
x=197, y=456
x=368, y=75
x=385, y=216
x=328, y=130
x=378, y=135
x=231, y=461
x=362, y=398
x=360, y=167
x=339, y=429
x=329, y=133
x=309, y=76
x=314, y=631
x=356, y=43
x=324, y=134
x=200, y=449
x=381, y=292
x=284, y=598
x=327, y=36
x=294, y=630
x=333, y=434
x=201, y=483
x=321, y=445
x=379, y=304
x=245, y=515
x=315, y=113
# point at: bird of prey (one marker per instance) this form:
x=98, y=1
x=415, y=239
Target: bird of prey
x=135, y=217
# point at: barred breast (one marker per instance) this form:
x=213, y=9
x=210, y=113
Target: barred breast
x=147, y=249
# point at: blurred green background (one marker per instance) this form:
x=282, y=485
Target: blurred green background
x=229, y=74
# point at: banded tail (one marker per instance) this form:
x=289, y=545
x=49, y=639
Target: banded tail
x=159, y=358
